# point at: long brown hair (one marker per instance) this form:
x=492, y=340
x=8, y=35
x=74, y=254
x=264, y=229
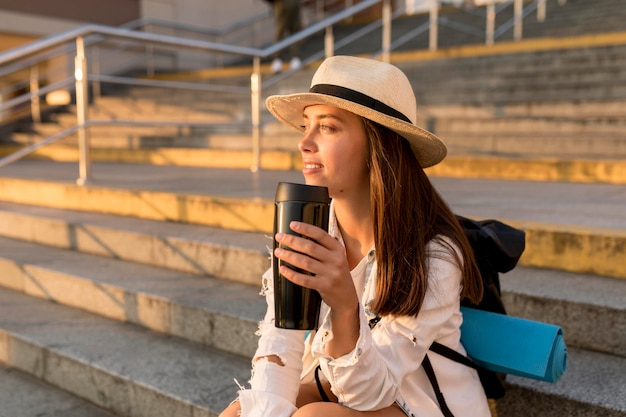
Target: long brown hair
x=408, y=212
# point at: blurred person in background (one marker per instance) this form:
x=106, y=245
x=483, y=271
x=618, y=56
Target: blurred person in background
x=288, y=22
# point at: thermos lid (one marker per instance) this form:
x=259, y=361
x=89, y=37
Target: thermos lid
x=287, y=191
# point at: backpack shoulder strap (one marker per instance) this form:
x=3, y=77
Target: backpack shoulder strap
x=430, y=373
x=452, y=354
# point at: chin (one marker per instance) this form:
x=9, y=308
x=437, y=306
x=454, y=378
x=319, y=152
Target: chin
x=312, y=181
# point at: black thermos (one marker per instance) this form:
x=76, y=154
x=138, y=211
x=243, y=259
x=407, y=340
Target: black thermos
x=297, y=307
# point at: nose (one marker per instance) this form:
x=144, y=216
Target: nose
x=307, y=143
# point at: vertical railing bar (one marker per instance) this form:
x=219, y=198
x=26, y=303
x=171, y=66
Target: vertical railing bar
x=35, y=108
x=255, y=89
x=329, y=42
x=82, y=99
x=433, y=30
x=491, y=22
x=541, y=10
x=386, y=16
x=518, y=16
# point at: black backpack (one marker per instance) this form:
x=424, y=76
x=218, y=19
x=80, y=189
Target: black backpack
x=497, y=248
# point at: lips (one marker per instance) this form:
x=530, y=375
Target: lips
x=312, y=166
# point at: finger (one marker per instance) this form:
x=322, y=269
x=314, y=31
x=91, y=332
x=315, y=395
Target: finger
x=298, y=260
x=320, y=283
x=313, y=232
x=299, y=244
x=299, y=278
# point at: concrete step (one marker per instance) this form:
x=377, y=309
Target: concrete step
x=546, y=127
x=505, y=136
x=591, y=309
x=582, y=391
x=595, y=137
x=127, y=136
x=215, y=313
x=579, y=60
x=194, y=104
x=131, y=371
x=134, y=372
x=556, y=109
x=189, y=248
x=460, y=162
x=225, y=316
x=225, y=254
x=563, y=145
x=590, y=112
x=127, y=146
x=23, y=395
x=139, y=293
x=570, y=226
x=568, y=74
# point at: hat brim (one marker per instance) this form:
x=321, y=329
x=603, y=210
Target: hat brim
x=428, y=148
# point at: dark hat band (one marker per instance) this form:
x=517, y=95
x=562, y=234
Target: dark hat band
x=358, y=98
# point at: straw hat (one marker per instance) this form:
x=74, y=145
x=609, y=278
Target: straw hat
x=375, y=90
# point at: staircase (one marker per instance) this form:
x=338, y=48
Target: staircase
x=138, y=294
x=563, y=98
x=562, y=101
x=557, y=93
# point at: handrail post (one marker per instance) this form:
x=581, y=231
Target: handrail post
x=255, y=88
x=82, y=99
x=329, y=42
x=541, y=10
x=433, y=29
x=517, y=29
x=35, y=108
x=386, y=16
x=491, y=22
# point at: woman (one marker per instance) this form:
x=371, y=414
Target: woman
x=391, y=270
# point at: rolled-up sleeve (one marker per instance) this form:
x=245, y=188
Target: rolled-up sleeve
x=370, y=377
x=273, y=387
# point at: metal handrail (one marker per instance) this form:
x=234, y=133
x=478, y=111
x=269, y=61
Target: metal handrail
x=42, y=91
x=514, y=22
x=218, y=32
x=169, y=84
x=80, y=34
x=91, y=33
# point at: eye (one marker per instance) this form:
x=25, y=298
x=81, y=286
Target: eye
x=327, y=128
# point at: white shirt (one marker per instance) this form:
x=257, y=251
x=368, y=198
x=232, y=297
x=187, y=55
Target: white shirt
x=385, y=365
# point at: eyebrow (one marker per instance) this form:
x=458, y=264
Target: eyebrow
x=323, y=116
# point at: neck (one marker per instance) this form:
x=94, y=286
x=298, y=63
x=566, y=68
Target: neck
x=355, y=223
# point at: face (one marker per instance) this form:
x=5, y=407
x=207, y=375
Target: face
x=334, y=150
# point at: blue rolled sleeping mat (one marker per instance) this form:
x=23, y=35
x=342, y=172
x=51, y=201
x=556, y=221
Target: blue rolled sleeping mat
x=513, y=345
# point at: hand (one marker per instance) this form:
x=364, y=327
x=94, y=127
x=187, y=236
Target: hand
x=322, y=255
